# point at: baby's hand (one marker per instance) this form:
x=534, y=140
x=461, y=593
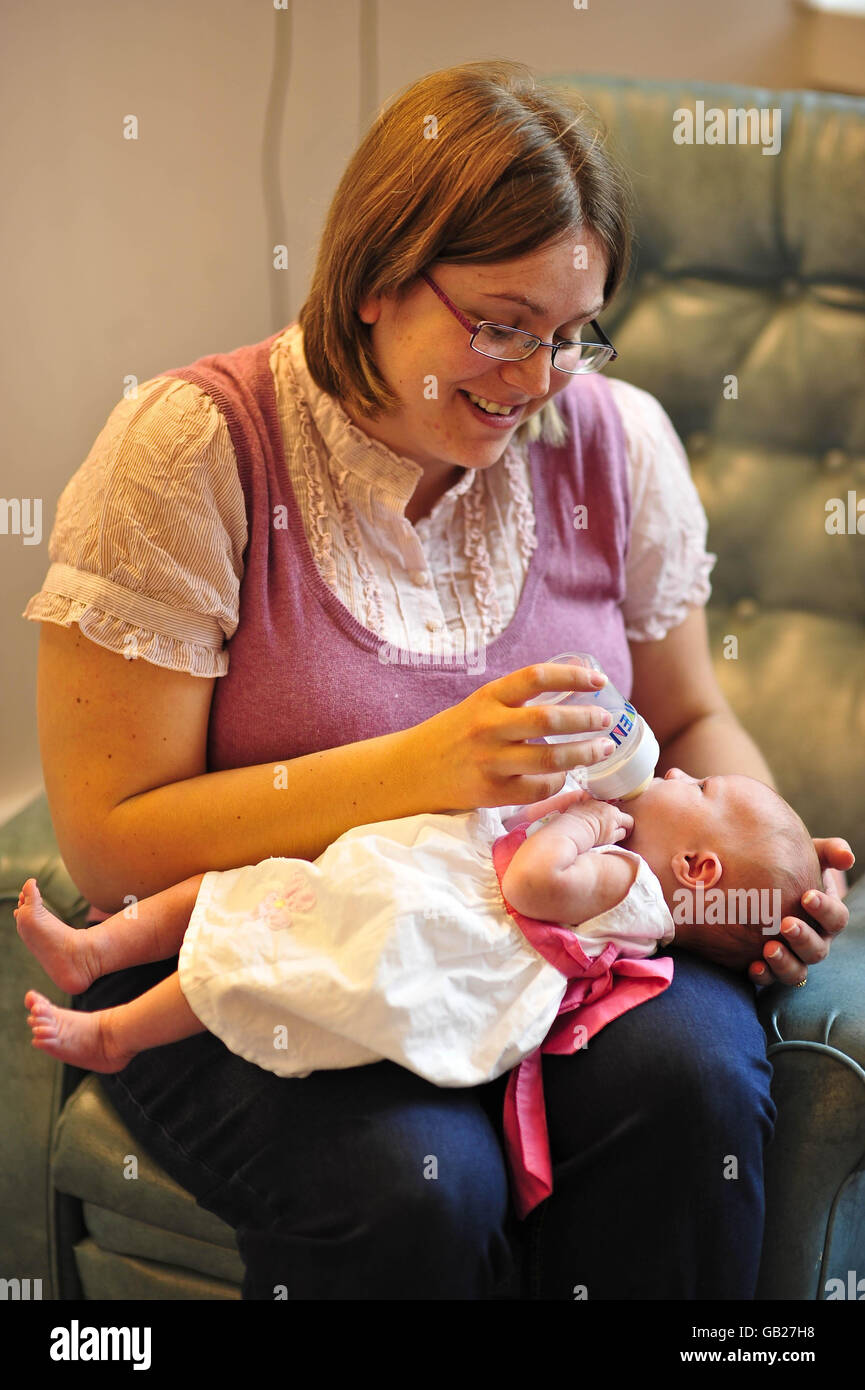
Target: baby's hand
x=608, y=823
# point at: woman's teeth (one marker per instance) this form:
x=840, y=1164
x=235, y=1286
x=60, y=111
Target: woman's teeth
x=491, y=407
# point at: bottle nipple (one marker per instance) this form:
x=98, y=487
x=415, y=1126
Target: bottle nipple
x=629, y=796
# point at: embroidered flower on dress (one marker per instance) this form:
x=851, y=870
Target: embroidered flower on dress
x=277, y=906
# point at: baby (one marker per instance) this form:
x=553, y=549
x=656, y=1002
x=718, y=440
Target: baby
x=458, y=945
x=729, y=856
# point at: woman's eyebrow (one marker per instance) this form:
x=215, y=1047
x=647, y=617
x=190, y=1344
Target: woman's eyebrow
x=538, y=308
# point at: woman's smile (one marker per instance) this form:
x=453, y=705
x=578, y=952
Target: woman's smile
x=492, y=419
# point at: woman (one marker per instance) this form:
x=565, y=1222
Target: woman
x=393, y=521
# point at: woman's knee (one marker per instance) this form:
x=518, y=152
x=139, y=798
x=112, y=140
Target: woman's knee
x=415, y=1205
x=689, y=1065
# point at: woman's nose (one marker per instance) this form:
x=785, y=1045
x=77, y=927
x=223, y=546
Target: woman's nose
x=530, y=375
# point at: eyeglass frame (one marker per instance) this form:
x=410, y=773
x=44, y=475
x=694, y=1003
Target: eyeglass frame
x=475, y=328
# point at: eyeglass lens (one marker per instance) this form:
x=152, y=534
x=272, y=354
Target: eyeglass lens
x=511, y=345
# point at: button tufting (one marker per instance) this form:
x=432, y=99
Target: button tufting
x=746, y=608
x=834, y=459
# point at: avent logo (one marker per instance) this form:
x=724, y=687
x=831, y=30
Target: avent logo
x=76, y=1343
x=625, y=725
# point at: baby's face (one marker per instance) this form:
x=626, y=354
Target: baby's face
x=682, y=814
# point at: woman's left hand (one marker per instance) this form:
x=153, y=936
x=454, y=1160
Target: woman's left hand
x=787, y=958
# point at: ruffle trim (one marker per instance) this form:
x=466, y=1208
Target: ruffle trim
x=333, y=421
x=373, y=599
x=172, y=653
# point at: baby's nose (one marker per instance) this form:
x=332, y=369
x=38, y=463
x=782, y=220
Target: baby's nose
x=674, y=773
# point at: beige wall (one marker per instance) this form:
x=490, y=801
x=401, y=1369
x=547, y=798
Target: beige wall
x=128, y=257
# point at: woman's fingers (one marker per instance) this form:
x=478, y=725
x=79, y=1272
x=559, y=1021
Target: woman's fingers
x=801, y=945
x=829, y=912
x=836, y=857
x=544, y=676
x=835, y=882
x=834, y=853
x=523, y=727
x=779, y=963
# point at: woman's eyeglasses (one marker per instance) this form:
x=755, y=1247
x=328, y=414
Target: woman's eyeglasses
x=514, y=345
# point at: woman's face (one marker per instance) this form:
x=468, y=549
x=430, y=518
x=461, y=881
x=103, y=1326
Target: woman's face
x=423, y=350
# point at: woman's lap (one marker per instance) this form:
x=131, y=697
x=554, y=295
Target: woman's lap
x=657, y=1147
x=372, y=1183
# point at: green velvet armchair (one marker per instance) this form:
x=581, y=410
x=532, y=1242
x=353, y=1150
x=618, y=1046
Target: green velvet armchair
x=745, y=316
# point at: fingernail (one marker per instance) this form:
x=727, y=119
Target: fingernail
x=790, y=930
x=811, y=899
x=607, y=747
x=598, y=678
x=774, y=952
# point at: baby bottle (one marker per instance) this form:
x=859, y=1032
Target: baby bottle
x=631, y=766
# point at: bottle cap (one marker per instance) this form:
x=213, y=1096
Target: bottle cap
x=631, y=773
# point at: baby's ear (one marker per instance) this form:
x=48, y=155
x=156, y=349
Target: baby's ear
x=703, y=866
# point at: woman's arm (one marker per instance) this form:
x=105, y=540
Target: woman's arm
x=124, y=755
x=676, y=690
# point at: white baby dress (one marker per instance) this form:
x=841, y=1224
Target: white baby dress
x=395, y=943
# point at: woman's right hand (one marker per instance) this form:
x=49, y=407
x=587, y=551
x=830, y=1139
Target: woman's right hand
x=475, y=753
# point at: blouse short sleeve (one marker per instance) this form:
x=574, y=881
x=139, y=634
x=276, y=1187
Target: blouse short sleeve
x=147, y=544
x=668, y=565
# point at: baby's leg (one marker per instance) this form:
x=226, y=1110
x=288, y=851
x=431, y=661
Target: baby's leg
x=107, y=1039
x=151, y=929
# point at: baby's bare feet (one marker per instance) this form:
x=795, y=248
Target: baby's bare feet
x=61, y=951
x=82, y=1040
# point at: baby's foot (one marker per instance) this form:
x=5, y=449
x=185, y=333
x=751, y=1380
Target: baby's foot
x=60, y=950
x=82, y=1040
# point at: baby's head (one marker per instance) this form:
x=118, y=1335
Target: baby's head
x=732, y=858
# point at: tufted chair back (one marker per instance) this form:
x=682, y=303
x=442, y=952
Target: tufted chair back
x=745, y=316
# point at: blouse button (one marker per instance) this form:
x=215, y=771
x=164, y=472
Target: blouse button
x=434, y=624
x=419, y=577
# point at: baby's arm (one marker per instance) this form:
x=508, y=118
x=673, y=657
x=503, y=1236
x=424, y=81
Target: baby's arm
x=551, y=876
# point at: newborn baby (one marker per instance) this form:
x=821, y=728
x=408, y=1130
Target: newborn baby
x=731, y=856
x=458, y=945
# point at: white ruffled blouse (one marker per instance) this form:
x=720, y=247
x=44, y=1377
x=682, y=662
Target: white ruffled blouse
x=150, y=531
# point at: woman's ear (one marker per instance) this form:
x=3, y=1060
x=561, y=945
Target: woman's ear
x=702, y=867
x=369, y=308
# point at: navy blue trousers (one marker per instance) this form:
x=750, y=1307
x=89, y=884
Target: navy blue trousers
x=370, y=1183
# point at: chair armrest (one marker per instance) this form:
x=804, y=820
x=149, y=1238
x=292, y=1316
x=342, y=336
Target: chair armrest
x=815, y=1164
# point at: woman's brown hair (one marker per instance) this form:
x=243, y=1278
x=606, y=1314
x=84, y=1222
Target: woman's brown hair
x=512, y=164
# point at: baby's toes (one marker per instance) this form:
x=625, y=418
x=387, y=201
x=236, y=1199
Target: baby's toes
x=38, y=1005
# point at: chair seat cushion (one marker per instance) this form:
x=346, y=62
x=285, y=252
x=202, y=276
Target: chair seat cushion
x=148, y=1215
